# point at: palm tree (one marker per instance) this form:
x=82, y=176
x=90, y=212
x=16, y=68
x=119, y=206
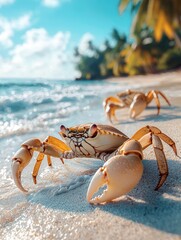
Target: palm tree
x=144, y=55
x=163, y=16
x=114, y=60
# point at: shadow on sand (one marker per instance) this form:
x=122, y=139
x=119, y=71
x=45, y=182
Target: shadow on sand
x=157, y=209
x=153, y=116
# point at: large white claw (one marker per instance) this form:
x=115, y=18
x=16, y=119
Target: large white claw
x=120, y=173
x=20, y=160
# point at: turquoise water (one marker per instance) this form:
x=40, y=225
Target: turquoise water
x=28, y=106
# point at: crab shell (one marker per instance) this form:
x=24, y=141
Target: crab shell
x=91, y=139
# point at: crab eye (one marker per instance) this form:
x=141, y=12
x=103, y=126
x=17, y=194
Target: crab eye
x=63, y=130
x=92, y=130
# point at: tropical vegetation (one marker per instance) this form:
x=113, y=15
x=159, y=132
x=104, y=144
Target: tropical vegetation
x=155, y=47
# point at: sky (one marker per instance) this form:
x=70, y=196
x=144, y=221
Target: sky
x=37, y=37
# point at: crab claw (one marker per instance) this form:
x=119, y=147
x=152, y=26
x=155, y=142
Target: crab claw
x=20, y=160
x=137, y=106
x=120, y=173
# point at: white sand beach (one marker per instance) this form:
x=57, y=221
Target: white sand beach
x=52, y=213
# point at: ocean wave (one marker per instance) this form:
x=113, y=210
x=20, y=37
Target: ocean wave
x=35, y=122
x=44, y=101
x=68, y=99
x=13, y=106
x=28, y=100
x=9, y=106
x=24, y=84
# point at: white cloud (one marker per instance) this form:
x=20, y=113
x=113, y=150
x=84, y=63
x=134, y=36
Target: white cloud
x=84, y=44
x=8, y=27
x=5, y=37
x=40, y=55
x=5, y=2
x=51, y=3
x=22, y=22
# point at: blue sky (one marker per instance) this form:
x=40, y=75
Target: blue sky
x=37, y=37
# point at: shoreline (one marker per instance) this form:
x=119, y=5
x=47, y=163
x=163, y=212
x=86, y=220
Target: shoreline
x=120, y=78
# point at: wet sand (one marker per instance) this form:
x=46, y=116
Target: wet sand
x=142, y=214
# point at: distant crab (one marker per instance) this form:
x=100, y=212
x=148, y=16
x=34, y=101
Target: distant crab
x=134, y=100
x=122, y=155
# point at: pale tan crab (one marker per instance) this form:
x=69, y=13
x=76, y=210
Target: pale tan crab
x=122, y=155
x=134, y=100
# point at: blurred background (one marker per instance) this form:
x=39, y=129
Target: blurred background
x=78, y=39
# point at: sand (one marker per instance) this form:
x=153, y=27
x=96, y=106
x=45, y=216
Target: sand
x=142, y=214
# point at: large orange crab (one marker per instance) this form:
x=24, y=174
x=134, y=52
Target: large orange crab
x=134, y=100
x=122, y=155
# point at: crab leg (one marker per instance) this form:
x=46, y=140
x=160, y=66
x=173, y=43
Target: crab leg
x=38, y=163
x=155, y=94
x=157, y=101
x=145, y=142
x=164, y=97
x=161, y=160
x=151, y=135
x=150, y=96
x=37, y=166
x=49, y=161
x=156, y=131
x=169, y=141
x=51, y=147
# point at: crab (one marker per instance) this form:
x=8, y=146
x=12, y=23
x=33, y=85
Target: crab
x=134, y=100
x=122, y=155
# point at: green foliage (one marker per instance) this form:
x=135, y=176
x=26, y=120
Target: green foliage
x=103, y=63
x=157, y=43
x=170, y=59
x=163, y=16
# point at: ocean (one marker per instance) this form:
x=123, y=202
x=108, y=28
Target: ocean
x=28, y=106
